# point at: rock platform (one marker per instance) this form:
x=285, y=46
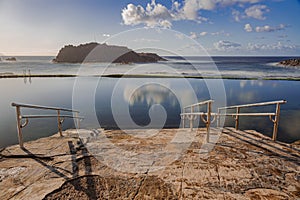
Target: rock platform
x=151, y=164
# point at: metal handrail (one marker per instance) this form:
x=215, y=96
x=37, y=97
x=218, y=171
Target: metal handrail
x=191, y=115
x=198, y=104
x=60, y=118
x=43, y=107
x=254, y=104
x=237, y=114
x=50, y=116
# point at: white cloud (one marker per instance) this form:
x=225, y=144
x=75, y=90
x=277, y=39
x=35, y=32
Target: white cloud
x=268, y=28
x=190, y=10
x=191, y=7
x=240, y=2
x=265, y=28
x=236, y=15
x=270, y=47
x=158, y=15
x=175, y=5
x=193, y=35
x=204, y=33
x=165, y=24
x=257, y=12
x=248, y=28
x=224, y=45
x=222, y=32
x=153, y=15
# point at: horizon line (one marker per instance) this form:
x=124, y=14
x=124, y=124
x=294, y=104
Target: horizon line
x=228, y=55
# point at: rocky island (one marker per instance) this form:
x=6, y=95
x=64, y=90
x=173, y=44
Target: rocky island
x=290, y=62
x=94, y=52
x=11, y=59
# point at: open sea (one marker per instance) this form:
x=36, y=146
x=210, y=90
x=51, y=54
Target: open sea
x=152, y=97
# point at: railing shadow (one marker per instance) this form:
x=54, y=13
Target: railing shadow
x=41, y=162
x=285, y=146
x=252, y=141
x=90, y=189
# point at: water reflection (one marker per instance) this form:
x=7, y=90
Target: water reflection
x=150, y=94
x=170, y=95
x=160, y=102
x=27, y=76
x=145, y=103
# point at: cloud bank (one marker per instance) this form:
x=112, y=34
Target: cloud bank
x=224, y=45
x=158, y=15
x=256, y=12
x=266, y=28
x=270, y=47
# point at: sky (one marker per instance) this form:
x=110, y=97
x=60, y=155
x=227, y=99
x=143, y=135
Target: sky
x=219, y=27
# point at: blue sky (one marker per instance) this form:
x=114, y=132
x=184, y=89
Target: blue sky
x=222, y=27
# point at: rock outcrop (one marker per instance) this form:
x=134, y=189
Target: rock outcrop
x=290, y=62
x=119, y=165
x=11, y=59
x=94, y=52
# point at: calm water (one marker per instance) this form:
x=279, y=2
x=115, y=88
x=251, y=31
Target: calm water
x=147, y=99
x=147, y=102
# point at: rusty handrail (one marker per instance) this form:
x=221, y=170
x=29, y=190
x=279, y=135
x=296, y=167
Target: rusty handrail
x=60, y=118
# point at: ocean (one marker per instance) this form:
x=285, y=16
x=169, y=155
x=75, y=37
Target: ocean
x=143, y=101
x=227, y=67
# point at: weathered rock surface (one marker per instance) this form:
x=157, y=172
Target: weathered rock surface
x=290, y=62
x=146, y=164
x=94, y=52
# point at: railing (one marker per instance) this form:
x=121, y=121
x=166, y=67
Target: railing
x=60, y=118
x=238, y=113
x=190, y=114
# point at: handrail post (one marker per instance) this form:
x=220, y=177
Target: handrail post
x=208, y=121
x=19, y=126
x=276, y=120
x=237, y=118
x=218, y=118
x=191, y=118
x=59, y=122
x=78, y=120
